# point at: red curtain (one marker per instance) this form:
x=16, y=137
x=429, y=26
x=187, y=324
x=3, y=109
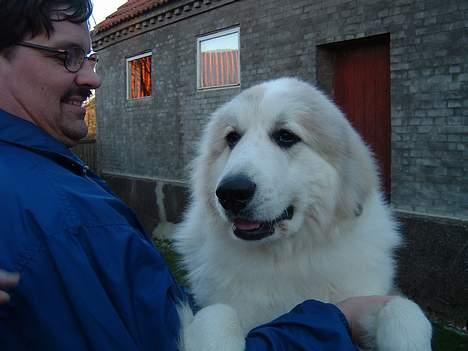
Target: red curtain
x=219, y=68
x=140, y=74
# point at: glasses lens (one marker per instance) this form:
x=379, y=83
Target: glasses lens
x=75, y=58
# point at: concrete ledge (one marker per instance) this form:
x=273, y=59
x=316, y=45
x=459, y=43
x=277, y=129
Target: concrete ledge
x=153, y=201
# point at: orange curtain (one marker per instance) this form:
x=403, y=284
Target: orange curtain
x=219, y=68
x=140, y=73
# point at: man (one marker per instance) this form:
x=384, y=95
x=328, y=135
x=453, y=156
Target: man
x=90, y=279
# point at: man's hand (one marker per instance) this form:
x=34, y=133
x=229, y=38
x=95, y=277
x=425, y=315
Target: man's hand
x=357, y=309
x=7, y=280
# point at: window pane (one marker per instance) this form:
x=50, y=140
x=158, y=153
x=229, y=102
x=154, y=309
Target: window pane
x=139, y=77
x=219, y=61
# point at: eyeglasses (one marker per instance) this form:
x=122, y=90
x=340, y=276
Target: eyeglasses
x=73, y=58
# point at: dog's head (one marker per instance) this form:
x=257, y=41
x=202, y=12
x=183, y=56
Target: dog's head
x=279, y=156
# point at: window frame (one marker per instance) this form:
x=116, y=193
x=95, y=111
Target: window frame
x=213, y=35
x=127, y=65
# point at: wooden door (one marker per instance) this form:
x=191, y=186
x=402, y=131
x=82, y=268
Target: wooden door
x=362, y=89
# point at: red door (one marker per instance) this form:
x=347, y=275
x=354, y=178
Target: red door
x=362, y=89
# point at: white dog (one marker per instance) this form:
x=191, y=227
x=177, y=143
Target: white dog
x=286, y=207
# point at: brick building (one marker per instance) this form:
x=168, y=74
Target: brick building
x=402, y=64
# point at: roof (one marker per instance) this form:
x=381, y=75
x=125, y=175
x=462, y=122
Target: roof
x=128, y=11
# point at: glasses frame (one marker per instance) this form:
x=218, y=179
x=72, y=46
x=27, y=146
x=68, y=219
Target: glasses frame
x=92, y=56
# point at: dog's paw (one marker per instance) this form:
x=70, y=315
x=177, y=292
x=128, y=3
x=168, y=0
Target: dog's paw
x=213, y=328
x=402, y=326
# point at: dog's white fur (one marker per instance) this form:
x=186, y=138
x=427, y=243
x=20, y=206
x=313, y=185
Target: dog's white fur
x=338, y=244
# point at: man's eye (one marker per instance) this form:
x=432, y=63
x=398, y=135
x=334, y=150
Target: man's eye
x=59, y=57
x=232, y=139
x=285, y=138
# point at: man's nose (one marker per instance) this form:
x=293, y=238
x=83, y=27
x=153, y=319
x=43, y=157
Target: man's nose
x=88, y=77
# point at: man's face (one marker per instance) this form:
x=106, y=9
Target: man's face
x=35, y=85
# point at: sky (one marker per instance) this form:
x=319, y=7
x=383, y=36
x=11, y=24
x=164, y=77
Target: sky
x=103, y=8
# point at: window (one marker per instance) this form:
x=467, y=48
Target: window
x=218, y=59
x=139, y=76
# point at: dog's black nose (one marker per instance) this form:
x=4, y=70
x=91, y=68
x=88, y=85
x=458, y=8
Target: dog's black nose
x=234, y=193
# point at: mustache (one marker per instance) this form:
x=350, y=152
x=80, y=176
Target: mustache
x=79, y=91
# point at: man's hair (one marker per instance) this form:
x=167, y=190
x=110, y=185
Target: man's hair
x=21, y=18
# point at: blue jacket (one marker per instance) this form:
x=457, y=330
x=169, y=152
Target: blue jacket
x=90, y=278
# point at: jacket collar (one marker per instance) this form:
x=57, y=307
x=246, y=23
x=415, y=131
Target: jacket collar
x=21, y=133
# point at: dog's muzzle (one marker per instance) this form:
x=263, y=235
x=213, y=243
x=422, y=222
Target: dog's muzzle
x=234, y=194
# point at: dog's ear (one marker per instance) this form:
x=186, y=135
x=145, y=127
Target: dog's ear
x=358, y=175
x=211, y=147
x=336, y=140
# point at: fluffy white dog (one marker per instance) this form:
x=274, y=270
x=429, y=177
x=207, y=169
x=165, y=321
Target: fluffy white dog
x=286, y=207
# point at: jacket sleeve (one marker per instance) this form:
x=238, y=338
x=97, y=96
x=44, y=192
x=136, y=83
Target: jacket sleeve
x=311, y=326
x=125, y=296
x=107, y=288
x=98, y=288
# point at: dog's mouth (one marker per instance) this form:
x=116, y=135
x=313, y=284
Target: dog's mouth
x=252, y=230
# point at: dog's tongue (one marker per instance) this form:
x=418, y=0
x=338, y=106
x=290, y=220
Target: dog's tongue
x=244, y=225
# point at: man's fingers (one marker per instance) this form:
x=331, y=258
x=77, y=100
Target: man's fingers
x=8, y=280
x=4, y=297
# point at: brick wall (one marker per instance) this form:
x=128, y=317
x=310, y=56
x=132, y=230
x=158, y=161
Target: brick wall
x=156, y=136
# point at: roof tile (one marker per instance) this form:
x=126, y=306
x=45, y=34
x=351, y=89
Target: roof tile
x=128, y=11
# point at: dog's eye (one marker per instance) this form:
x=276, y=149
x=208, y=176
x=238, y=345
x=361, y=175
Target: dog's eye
x=232, y=139
x=285, y=138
